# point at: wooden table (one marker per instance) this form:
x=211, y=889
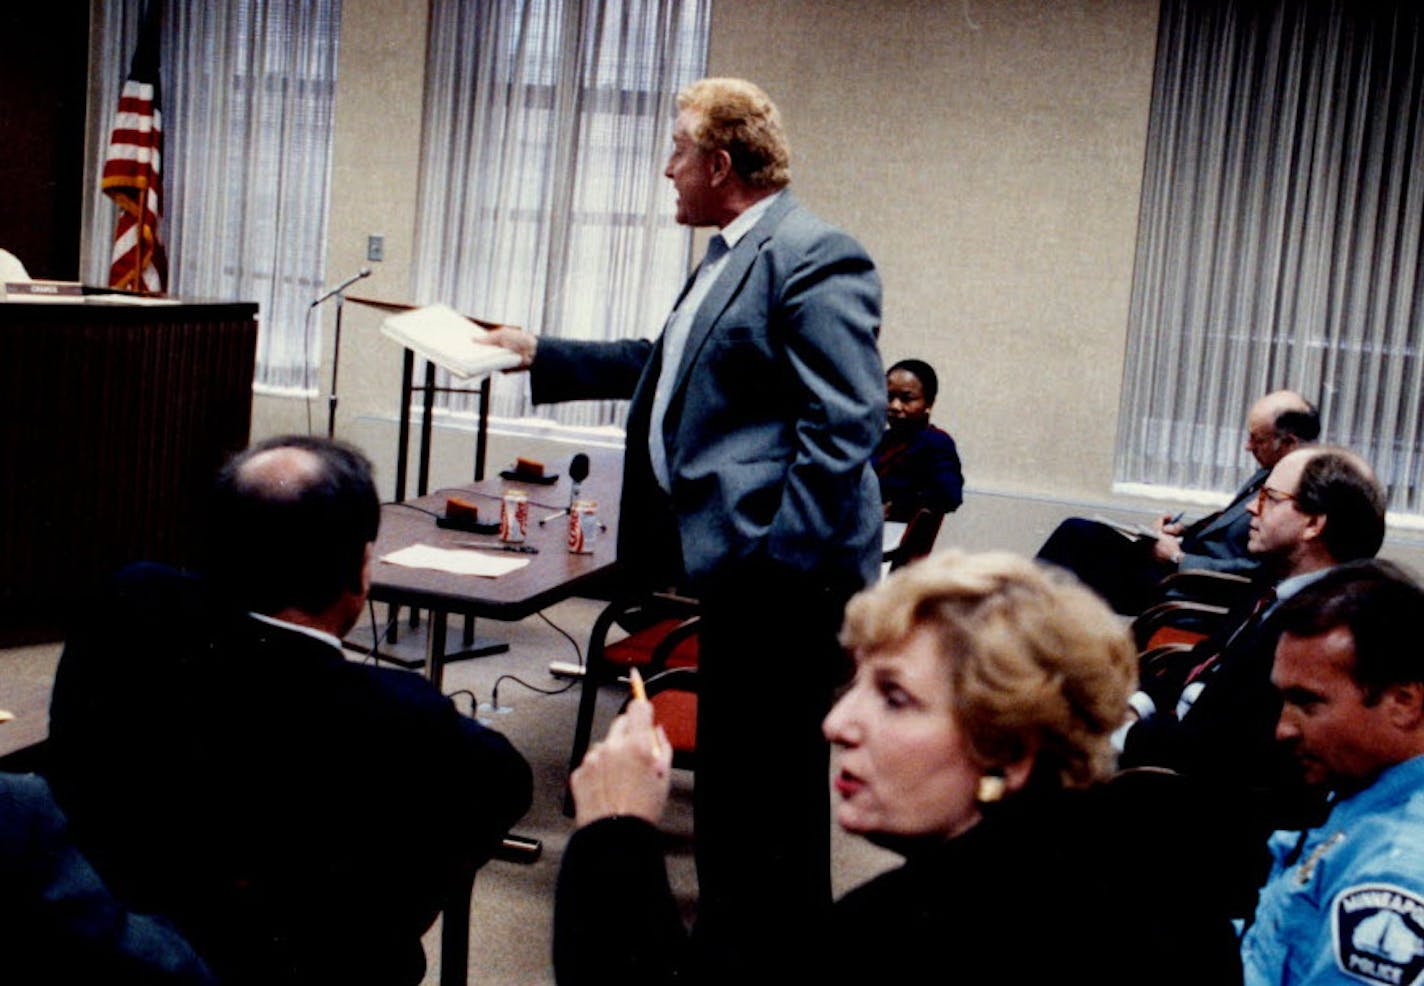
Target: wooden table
x=553, y=574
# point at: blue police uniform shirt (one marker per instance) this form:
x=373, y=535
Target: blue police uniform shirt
x=1347, y=904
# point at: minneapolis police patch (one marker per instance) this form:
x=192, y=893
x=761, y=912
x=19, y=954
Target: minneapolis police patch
x=1379, y=933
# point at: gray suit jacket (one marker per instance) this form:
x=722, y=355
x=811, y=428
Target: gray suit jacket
x=1218, y=541
x=779, y=401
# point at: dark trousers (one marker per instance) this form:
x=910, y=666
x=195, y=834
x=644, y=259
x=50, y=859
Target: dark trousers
x=1122, y=570
x=768, y=666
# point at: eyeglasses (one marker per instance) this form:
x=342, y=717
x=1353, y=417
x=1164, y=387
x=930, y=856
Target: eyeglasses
x=1275, y=496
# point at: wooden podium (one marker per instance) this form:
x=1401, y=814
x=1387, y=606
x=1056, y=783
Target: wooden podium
x=116, y=418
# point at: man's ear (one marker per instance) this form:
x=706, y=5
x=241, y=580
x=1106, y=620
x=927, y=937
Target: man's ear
x=1404, y=704
x=1314, y=527
x=719, y=167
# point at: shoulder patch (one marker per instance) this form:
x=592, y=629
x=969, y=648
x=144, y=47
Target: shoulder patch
x=1378, y=931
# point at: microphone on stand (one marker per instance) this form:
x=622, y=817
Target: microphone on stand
x=363, y=272
x=336, y=342
x=578, y=472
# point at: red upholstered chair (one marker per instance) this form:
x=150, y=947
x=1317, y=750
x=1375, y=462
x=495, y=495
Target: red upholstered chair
x=663, y=636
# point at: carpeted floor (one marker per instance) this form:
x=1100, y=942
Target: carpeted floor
x=513, y=903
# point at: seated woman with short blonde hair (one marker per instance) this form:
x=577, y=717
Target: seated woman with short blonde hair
x=974, y=740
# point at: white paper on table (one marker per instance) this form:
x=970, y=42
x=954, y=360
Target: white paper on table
x=459, y=562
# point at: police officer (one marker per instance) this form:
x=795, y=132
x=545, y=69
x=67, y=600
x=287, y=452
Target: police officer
x=1345, y=900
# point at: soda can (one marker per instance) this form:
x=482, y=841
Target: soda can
x=583, y=527
x=514, y=516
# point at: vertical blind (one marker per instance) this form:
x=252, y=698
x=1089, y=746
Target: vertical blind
x=542, y=202
x=1279, y=238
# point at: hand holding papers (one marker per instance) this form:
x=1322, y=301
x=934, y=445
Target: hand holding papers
x=446, y=338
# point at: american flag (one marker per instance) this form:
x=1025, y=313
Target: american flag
x=133, y=170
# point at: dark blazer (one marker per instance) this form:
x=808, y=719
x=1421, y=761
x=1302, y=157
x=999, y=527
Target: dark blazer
x=58, y=922
x=1046, y=888
x=779, y=401
x=1217, y=542
x=298, y=816
x=1227, y=741
x=918, y=470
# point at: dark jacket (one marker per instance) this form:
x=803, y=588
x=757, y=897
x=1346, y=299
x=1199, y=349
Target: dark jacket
x=1055, y=887
x=298, y=816
x=58, y=922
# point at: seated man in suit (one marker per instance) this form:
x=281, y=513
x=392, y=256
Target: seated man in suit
x=58, y=922
x=1216, y=719
x=299, y=817
x=917, y=463
x=1125, y=571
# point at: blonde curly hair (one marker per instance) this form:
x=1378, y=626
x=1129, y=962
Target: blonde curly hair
x=1038, y=663
x=736, y=116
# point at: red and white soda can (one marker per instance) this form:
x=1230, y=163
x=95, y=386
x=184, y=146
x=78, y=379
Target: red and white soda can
x=514, y=516
x=583, y=527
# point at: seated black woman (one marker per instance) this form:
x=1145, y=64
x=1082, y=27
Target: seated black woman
x=917, y=463
x=974, y=740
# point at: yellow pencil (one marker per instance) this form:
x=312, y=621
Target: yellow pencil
x=635, y=680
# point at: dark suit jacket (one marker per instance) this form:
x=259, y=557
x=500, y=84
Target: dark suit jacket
x=1046, y=888
x=58, y=922
x=1217, y=542
x=298, y=816
x=1227, y=740
x=779, y=401
x=919, y=470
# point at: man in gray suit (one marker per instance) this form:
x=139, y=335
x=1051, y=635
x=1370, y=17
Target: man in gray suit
x=1125, y=571
x=747, y=481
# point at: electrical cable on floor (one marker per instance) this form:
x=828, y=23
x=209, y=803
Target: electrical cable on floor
x=578, y=652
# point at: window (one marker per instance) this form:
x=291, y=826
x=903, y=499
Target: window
x=248, y=88
x=541, y=197
x=1279, y=243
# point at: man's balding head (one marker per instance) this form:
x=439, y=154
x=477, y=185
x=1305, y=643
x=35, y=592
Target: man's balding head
x=291, y=521
x=1279, y=423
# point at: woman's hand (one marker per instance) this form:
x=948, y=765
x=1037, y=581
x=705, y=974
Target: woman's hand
x=629, y=773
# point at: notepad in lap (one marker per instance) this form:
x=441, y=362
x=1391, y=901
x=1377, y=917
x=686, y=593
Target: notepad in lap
x=446, y=338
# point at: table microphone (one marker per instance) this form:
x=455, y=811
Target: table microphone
x=578, y=472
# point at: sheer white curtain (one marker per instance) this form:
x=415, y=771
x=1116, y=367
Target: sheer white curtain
x=542, y=201
x=1279, y=239
x=248, y=90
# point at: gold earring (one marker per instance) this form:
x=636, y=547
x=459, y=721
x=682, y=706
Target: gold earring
x=991, y=789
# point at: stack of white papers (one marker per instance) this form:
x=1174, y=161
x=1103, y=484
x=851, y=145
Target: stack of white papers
x=447, y=338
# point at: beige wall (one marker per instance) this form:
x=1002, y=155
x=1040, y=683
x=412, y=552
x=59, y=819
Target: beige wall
x=987, y=152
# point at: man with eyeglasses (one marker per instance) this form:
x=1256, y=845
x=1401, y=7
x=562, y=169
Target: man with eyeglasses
x=1213, y=715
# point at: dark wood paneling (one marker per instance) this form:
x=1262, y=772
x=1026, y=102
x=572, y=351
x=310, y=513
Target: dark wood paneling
x=44, y=68
x=114, y=420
